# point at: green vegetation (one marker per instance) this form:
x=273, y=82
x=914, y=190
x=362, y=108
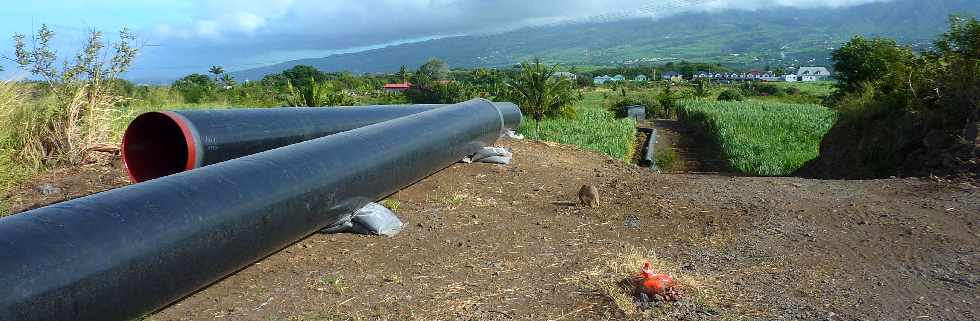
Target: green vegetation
x=316, y=95
x=762, y=138
x=541, y=95
x=649, y=101
x=594, y=129
x=812, y=88
x=391, y=203
x=903, y=113
x=730, y=95
x=667, y=160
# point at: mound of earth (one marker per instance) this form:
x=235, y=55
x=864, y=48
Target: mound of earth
x=492, y=242
x=894, y=147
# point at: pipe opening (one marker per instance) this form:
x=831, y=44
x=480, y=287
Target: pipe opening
x=155, y=145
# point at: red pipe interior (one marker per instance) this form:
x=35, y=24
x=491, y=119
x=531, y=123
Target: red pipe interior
x=155, y=145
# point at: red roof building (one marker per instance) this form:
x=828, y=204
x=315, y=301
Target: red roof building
x=397, y=87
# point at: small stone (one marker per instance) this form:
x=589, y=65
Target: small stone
x=643, y=298
x=48, y=189
x=631, y=221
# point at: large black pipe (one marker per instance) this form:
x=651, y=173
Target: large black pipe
x=158, y=144
x=120, y=254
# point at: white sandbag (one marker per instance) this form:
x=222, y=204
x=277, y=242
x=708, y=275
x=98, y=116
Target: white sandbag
x=492, y=155
x=372, y=219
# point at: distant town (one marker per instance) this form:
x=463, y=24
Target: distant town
x=791, y=75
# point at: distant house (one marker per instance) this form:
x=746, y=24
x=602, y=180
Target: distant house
x=812, y=73
x=599, y=80
x=397, y=87
x=618, y=78
x=566, y=75
x=672, y=76
x=640, y=78
x=768, y=76
x=789, y=78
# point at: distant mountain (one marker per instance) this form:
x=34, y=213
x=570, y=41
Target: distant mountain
x=779, y=36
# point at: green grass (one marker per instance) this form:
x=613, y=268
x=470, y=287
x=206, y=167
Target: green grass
x=11, y=174
x=813, y=88
x=667, y=160
x=594, y=129
x=762, y=138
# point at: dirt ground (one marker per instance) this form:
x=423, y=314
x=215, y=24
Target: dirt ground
x=695, y=153
x=491, y=242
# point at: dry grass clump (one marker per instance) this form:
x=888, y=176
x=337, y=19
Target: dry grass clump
x=611, y=280
x=53, y=131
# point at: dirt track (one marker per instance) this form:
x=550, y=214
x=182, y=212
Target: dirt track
x=489, y=242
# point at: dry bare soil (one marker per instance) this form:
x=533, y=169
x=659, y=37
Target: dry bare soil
x=490, y=242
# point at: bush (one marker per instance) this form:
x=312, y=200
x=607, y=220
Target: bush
x=442, y=92
x=651, y=106
x=195, y=88
x=730, y=95
x=618, y=108
x=668, y=103
x=902, y=113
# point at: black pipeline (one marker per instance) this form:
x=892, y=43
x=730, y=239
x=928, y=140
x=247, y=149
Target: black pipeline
x=123, y=253
x=158, y=144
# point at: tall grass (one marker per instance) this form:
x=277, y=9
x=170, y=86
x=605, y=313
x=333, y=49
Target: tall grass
x=594, y=129
x=12, y=98
x=762, y=138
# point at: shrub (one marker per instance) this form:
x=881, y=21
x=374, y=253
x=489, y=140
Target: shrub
x=316, y=95
x=765, y=90
x=903, y=113
x=618, y=108
x=427, y=91
x=195, y=88
x=730, y=95
x=668, y=102
x=651, y=106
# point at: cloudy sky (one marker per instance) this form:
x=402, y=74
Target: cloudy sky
x=184, y=36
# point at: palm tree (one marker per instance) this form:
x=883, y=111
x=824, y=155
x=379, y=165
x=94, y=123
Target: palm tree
x=540, y=94
x=217, y=71
x=228, y=80
x=403, y=74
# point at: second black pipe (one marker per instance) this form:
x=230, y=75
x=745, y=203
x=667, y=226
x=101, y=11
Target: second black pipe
x=158, y=144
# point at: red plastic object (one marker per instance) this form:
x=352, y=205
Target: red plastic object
x=652, y=283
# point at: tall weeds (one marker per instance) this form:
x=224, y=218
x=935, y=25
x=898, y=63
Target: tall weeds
x=74, y=116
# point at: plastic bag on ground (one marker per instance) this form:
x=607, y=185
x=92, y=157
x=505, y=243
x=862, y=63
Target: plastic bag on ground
x=372, y=219
x=492, y=155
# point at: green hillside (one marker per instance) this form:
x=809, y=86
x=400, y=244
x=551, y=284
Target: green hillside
x=774, y=37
